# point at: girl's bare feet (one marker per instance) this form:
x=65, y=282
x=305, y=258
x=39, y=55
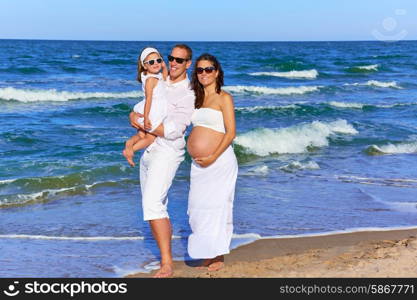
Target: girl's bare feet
x=128, y=154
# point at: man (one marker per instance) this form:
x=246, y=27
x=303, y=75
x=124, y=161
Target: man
x=162, y=158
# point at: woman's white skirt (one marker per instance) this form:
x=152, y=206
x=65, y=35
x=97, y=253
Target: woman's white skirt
x=210, y=206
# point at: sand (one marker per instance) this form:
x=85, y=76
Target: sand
x=368, y=254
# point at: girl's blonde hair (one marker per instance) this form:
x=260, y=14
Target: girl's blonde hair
x=141, y=69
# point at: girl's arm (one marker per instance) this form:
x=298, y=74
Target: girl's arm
x=228, y=110
x=164, y=70
x=149, y=86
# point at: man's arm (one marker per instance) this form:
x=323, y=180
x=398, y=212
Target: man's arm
x=175, y=123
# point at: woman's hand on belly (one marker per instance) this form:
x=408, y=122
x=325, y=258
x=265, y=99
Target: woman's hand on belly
x=205, y=161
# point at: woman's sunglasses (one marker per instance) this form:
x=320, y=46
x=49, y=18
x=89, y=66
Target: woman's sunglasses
x=177, y=59
x=152, y=61
x=207, y=69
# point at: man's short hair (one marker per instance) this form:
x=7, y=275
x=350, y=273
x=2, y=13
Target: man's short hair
x=186, y=48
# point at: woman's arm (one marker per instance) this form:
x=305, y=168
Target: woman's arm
x=228, y=110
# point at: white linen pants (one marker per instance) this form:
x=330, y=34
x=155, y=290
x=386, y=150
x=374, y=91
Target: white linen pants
x=210, y=206
x=157, y=170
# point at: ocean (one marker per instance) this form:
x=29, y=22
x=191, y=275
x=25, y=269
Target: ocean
x=326, y=142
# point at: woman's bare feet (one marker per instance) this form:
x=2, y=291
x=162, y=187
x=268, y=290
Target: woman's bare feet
x=128, y=154
x=166, y=271
x=213, y=264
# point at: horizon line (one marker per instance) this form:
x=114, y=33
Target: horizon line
x=199, y=41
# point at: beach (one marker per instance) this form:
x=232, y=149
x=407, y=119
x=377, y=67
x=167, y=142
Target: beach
x=326, y=143
x=362, y=254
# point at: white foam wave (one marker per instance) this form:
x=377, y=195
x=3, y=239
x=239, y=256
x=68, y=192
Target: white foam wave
x=294, y=139
x=346, y=104
x=346, y=231
x=402, y=148
x=71, y=238
x=389, y=84
x=123, y=272
x=272, y=107
x=21, y=199
x=296, y=165
x=260, y=170
x=26, y=95
x=406, y=207
x=369, y=67
x=255, y=236
x=382, y=84
x=395, y=182
x=7, y=181
x=239, y=89
x=311, y=74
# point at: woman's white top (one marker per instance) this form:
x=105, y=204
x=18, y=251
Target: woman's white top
x=208, y=117
x=158, y=110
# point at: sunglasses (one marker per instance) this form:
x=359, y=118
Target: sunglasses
x=207, y=69
x=152, y=61
x=177, y=59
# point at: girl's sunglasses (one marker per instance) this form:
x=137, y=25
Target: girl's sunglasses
x=152, y=61
x=207, y=69
x=177, y=59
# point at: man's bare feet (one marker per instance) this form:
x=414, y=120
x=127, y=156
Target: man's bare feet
x=166, y=271
x=128, y=154
x=213, y=264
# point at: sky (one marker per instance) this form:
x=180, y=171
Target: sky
x=214, y=20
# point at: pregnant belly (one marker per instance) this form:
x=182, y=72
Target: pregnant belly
x=203, y=141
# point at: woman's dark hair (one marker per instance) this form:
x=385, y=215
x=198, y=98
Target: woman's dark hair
x=197, y=86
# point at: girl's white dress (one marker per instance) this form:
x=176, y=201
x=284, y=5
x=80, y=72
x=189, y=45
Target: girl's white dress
x=158, y=110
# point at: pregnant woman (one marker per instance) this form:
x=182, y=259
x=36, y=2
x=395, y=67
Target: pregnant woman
x=214, y=167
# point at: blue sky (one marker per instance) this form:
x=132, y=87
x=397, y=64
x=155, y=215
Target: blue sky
x=214, y=20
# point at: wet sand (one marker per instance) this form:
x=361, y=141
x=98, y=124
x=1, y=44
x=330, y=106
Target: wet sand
x=391, y=253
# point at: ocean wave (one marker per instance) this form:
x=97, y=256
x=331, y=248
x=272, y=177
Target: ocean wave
x=241, y=89
x=294, y=139
x=310, y=74
x=266, y=107
x=71, y=238
x=401, y=148
x=23, y=70
x=405, y=206
x=118, y=62
x=346, y=104
x=369, y=67
x=45, y=195
x=362, y=69
x=397, y=182
x=257, y=171
x=382, y=84
x=26, y=95
x=297, y=165
x=67, y=180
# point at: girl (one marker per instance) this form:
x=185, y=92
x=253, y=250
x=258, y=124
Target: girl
x=154, y=107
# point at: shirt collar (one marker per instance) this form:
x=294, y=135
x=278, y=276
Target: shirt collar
x=184, y=82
